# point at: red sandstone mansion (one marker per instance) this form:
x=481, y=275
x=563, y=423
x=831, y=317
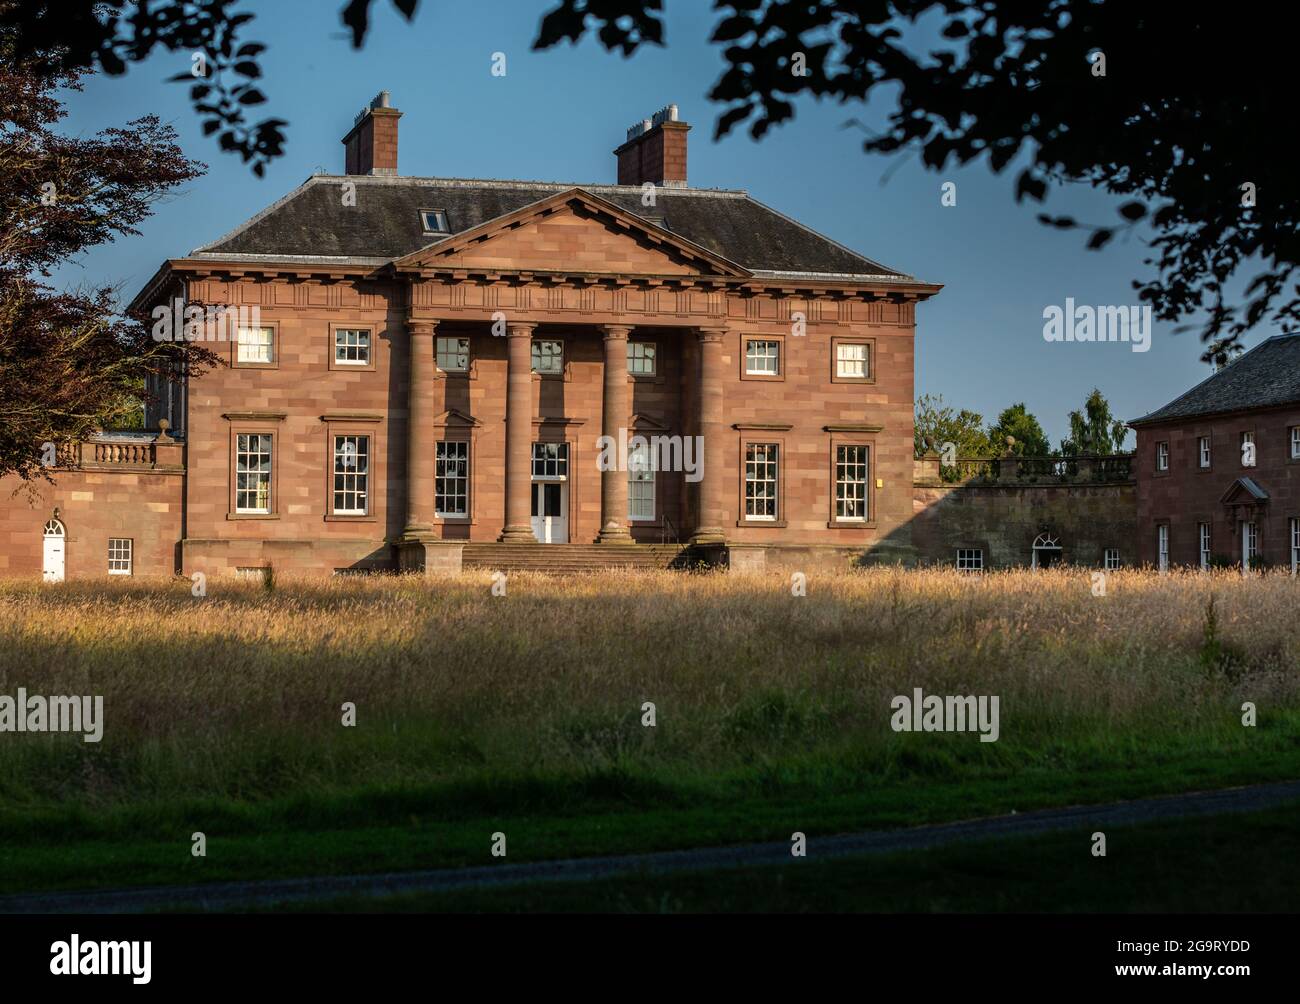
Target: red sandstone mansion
x=439, y=365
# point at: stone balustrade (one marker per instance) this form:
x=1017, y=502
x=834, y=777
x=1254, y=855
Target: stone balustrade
x=1113, y=469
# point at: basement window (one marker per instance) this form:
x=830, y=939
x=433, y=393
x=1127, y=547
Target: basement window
x=434, y=221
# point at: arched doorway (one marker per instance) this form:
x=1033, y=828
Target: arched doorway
x=53, y=561
x=1047, y=551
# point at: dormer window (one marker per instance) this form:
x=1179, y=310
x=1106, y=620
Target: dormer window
x=434, y=221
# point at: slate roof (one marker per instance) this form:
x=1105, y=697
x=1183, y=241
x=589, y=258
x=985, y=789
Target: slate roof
x=1268, y=376
x=311, y=223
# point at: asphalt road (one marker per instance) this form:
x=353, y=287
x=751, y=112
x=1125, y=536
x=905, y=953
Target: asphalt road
x=263, y=894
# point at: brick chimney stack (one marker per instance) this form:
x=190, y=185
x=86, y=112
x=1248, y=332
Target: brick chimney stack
x=370, y=147
x=655, y=151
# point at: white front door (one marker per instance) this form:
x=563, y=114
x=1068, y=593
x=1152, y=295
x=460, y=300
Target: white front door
x=1248, y=545
x=52, y=567
x=551, y=511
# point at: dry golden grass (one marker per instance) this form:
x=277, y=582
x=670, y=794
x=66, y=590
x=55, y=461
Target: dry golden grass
x=447, y=677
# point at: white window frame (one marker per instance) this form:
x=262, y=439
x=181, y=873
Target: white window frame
x=762, y=469
x=352, y=346
x=640, y=482
x=1205, y=543
x=554, y=357
x=441, y=224
x=245, y=346
x=1295, y=545
x=1250, y=545
x=254, y=478
x=120, y=558
x=1162, y=547
x=1162, y=456
x=852, y=492
x=351, y=475
x=756, y=359
x=641, y=358
x=451, y=479
x=970, y=559
x=1110, y=559
x=1203, y=451
x=452, y=354
x=1295, y=442
x=550, y=462
x=843, y=359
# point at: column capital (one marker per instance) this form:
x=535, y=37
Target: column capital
x=711, y=334
x=616, y=332
x=520, y=329
x=421, y=325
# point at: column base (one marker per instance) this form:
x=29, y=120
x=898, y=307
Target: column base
x=707, y=536
x=518, y=535
x=615, y=535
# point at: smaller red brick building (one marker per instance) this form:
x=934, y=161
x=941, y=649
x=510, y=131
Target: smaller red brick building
x=1218, y=469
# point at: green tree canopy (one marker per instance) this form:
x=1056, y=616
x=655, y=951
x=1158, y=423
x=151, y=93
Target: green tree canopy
x=1017, y=422
x=1094, y=432
x=937, y=423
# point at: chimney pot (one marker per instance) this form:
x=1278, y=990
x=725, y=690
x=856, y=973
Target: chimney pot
x=655, y=151
x=370, y=147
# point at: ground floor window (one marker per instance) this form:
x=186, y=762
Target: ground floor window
x=253, y=473
x=970, y=559
x=1204, y=534
x=761, y=481
x=1047, y=551
x=851, y=467
x=1249, y=545
x=1162, y=548
x=550, y=460
x=119, y=555
x=451, y=479
x=640, y=483
x=351, y=475
x=1295, y=545
x=1111, y=560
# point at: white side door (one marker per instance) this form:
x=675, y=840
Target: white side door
x=52, y=565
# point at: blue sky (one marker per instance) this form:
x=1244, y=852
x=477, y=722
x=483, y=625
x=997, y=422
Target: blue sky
x=557, y=116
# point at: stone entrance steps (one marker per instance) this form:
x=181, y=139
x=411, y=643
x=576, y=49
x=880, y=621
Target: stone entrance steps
x=566, y=559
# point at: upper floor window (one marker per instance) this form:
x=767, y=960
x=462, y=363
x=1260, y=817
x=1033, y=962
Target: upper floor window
x=641, y=358
x=970, y=559
x=762, y=357
x=852, y=360
x=352, y=347
x=1295, y=442
x=256, y=346
x=119, y=555
x=453, y=355
x=761, y=460
x=1247, y=449
x=1162, y=456
x=851, y=467
x=1203, y=450
x=351, y=475
x=548, y=356
x=253, y=473
x=434, y=221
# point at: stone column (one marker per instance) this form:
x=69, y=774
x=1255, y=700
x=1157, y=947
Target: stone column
x=615, y=411
x=419, y=430
x=708, y=528
x=519, y=434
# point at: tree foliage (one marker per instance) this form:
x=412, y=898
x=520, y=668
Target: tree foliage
x=70, y=363
x=936, y=424
x=1029, y=439
x=1094, y=431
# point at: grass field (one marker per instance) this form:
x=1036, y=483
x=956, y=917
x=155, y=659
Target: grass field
x=477, y=713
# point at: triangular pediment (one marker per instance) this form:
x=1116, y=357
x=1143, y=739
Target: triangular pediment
x=455, y=418
x=1244, y=491
x=641, y=422
x=571, y=232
